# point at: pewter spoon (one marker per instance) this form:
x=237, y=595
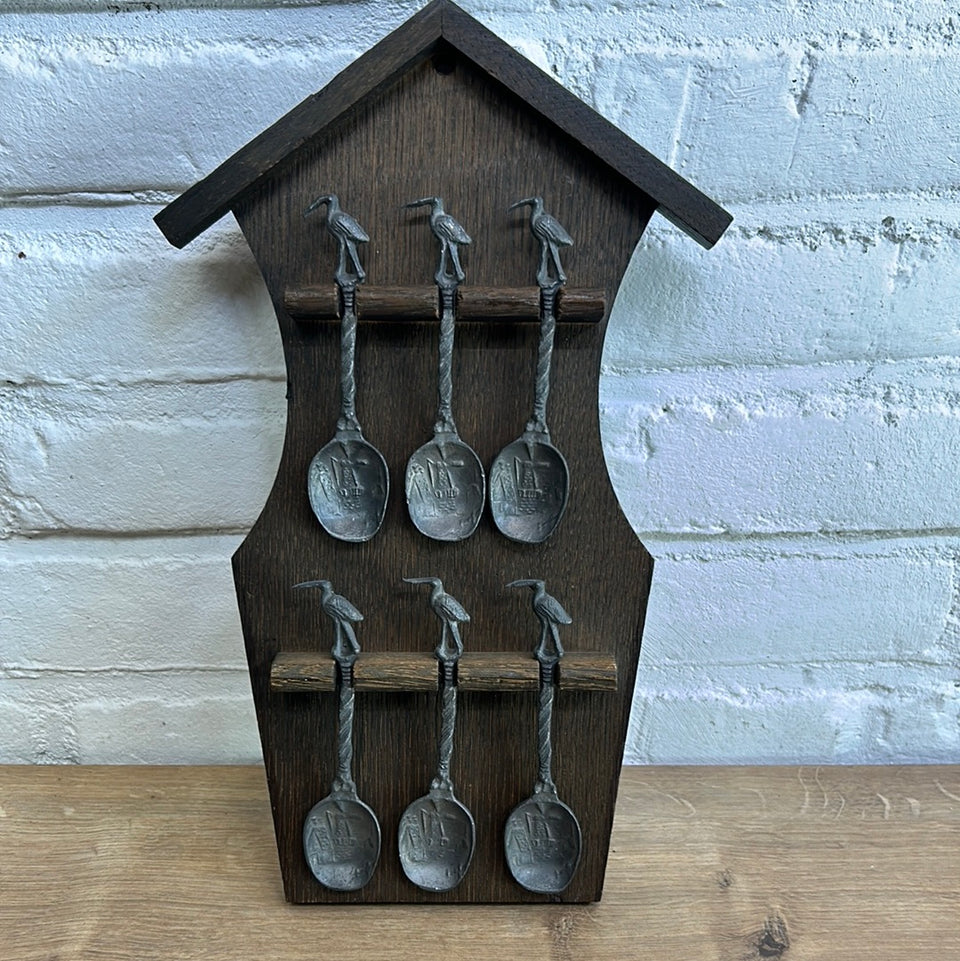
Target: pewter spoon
x=341, y=834
x=445, y=482
x=437, y=834
x=529, y=478
x=542, y=838
x=347, y=482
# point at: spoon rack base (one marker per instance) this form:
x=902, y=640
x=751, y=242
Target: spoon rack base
x=442, y=107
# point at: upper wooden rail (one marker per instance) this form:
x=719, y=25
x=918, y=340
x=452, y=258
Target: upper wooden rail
x=320, y=303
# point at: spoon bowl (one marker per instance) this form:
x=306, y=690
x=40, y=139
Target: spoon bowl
x=348, y=483
x=542, y=843
x=341, y=841
x=445, y=488
x=437, y=837
x=529, y=485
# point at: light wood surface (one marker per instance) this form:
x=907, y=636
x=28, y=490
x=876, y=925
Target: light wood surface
x=707, y=864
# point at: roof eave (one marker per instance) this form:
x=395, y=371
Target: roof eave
x=209, y=199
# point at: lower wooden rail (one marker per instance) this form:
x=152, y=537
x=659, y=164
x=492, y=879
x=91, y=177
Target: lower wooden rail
x=720, y=864
x=418, y=671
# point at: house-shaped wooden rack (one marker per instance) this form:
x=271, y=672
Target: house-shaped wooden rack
x=442, y=107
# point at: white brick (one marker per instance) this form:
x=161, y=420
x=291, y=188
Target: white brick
x=41, y=724
x=912, y=719
x=694, y=26
x=822, y=122
x=836, y=280
x=846, y=448
x=18, y=745
x=641, y=92
x=97, y=294
x=754, y=728
x=108, y=113
x=141, y=459
x=777, y=607
x=777, y=300
x=165, y=728
x=921, y=727
x=135, y=718
x=146, y=604
x=740, y=124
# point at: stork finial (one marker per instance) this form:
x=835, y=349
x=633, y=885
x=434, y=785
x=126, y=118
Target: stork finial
x=344, y=615
x=550, y=613
x=452, y=615
x=450, y=234
x=551, y=236
x=348, y=233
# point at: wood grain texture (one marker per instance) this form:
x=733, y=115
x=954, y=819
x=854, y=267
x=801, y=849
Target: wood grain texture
x=418, y=671
x=720, y=864
x=441, y=29
x=456, y=133
x=320, y=303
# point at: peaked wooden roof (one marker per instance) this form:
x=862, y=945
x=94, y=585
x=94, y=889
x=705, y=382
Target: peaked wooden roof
x=426, y=33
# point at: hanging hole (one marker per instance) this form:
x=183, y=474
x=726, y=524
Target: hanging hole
x=444, y=62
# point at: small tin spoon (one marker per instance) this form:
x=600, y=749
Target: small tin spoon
x=347, y=482
x=437, y=834
x=529, y=478
x=445, y=483
x=542, y=838
x=341, y=834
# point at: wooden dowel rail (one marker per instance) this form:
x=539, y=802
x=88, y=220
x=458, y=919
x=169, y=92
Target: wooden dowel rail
x=320, y=304
x=417, y=671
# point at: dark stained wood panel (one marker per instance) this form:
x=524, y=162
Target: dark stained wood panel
x=458, y=133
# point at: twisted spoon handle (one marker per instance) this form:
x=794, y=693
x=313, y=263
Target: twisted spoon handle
x=348, y=344
x=548, y=326
x=445, y=422
x=344, y=782
x=544, y=723
x=448, y=721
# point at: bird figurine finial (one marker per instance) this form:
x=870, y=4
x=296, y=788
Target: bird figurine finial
x=550, y=613
x=348, y=233
x=344, y=615
x=451, y=613
x=450, y=234
x=551, y=236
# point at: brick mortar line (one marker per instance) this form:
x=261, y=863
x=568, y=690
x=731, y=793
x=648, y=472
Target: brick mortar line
x=93, y=386
x=744, y=697
x=923, y=545
x=911, y=38
x=97, y=534
x=28, y=673
x=658, y=232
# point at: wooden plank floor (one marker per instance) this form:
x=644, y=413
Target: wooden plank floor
x=178, y=864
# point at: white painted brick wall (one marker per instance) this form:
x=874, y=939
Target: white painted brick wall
x=781, y=415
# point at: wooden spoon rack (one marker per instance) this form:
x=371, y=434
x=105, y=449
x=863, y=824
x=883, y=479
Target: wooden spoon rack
x=442, y=107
